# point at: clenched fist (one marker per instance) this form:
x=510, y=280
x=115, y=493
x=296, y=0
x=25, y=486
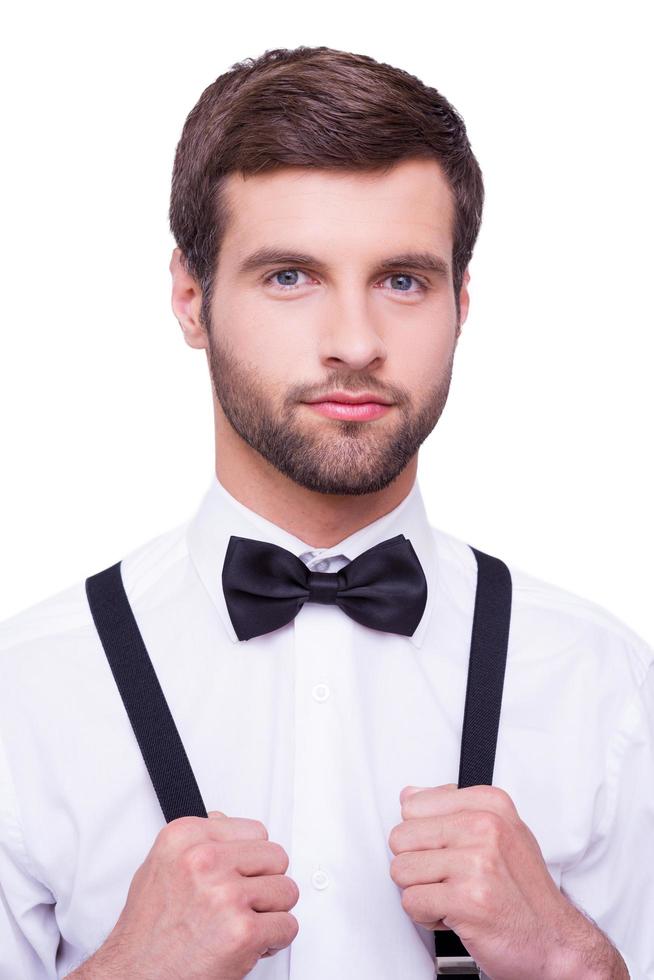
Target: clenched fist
x=210, y=899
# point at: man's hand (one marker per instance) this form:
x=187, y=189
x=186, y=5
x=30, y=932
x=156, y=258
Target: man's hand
x=467, y=862
x=210, y=900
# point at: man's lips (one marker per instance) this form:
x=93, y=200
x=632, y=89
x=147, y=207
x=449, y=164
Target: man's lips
x=359, y=411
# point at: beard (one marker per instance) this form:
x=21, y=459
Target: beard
x=333, y=456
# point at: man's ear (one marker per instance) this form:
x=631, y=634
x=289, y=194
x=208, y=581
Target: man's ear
x=186, y=302
x=464, y=302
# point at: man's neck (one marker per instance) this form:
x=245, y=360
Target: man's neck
x=319, y=519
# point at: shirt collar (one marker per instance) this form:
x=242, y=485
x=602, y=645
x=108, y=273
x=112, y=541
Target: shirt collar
x=220, y=515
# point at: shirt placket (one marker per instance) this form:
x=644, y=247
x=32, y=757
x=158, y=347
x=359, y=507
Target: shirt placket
x=322, y=639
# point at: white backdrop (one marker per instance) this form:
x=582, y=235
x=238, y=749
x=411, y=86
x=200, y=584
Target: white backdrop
x=543, y=453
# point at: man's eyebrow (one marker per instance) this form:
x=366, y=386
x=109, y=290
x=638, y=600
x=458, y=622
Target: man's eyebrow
x=272, y=255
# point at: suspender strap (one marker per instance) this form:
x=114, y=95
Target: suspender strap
x=138, y=684
x=481, y=716
x=488, y=649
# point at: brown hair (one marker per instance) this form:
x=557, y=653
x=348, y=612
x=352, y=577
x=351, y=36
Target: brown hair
x=313, y=107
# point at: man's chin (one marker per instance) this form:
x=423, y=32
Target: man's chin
x=333, y=487
x=343, y=474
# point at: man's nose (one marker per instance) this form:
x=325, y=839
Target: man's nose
x=351, y=334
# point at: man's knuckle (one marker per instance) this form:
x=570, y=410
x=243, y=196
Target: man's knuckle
x=292, y=928
x=291, y=890
x=199, y=858
x=184, y=823
x=487, y=825
x=228, y=895
x=399, y=871
x=409, y=903
x=174, y=835
x=410, y=808
x=260, y=828
x=287, y=930
x=504, y=801
x=280, y=856
x=484, y=863
x=179, y=828
x=480, y=894
x=284, y=931
x=395, y=838
x=242, y=931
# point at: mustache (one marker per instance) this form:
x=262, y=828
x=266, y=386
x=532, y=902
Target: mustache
x=389, y=393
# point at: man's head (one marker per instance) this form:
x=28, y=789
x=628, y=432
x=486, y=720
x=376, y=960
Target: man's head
x=342, y=166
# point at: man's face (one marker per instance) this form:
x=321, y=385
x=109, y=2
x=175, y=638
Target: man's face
x=282, y=333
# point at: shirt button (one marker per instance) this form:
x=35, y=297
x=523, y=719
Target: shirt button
x=322, y=565
x=320, y=692
x=319, y=879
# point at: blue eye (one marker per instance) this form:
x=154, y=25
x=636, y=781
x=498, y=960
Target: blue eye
x=285, y=286
x=405, y=276
x=285, y=273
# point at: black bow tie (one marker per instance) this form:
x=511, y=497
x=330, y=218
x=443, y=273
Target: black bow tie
x=265, y=586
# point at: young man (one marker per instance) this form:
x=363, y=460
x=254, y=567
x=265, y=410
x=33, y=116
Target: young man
x=311, y=633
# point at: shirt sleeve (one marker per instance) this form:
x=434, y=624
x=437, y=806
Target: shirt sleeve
x=613, y=884
x=29, y=935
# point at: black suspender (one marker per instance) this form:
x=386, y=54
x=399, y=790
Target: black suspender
x=481, y=715
x=165, y=757
x=153, y=724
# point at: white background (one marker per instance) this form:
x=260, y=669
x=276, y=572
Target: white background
x=543, y=453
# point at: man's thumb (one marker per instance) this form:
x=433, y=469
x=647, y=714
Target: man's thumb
x=216, y=813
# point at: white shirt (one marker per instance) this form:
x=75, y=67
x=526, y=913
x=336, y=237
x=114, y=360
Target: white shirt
x=314, y=729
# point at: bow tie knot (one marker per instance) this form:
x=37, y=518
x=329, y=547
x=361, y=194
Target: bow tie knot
x=265, y=587
x=323, y=587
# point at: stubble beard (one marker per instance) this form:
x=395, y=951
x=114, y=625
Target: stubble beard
x=329, y=455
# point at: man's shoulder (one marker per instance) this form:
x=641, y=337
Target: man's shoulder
x=64, y=617
x=547, y=615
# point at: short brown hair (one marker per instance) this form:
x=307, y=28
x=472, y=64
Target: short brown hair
x=313, y=107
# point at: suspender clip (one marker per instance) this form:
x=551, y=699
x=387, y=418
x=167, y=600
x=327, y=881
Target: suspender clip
x=463, y=966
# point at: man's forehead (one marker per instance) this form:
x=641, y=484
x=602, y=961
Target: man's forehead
x=411, y=205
